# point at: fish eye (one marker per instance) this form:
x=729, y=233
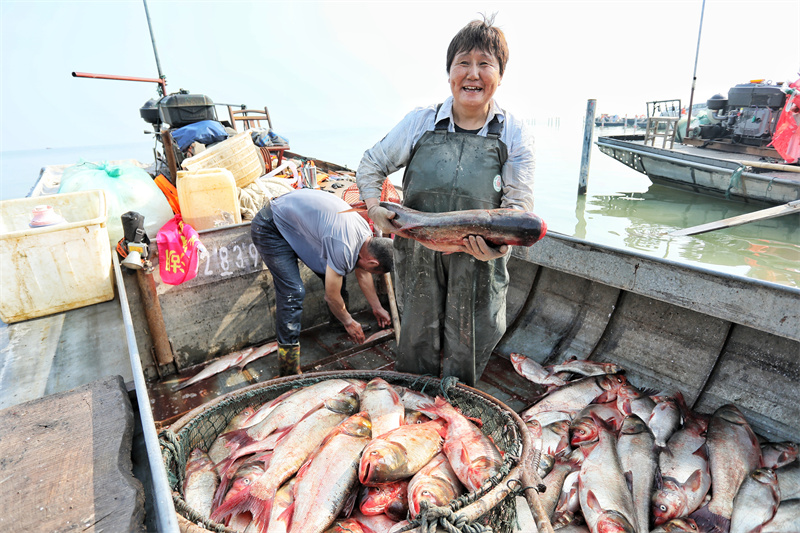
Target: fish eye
x=246, y=481
x=374, y=452
x=663, y=508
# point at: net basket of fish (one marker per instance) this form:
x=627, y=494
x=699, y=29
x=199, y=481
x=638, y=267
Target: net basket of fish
x=348, y=451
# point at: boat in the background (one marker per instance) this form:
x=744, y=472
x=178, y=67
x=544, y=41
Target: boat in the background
x=727, y=151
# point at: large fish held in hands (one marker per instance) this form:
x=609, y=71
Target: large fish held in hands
x=445, y=232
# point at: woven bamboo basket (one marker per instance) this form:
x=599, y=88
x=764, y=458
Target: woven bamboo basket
x=237, y=154
x=492, y=508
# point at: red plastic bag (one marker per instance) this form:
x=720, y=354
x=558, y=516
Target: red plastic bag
x=786, y=139
x=179, y=250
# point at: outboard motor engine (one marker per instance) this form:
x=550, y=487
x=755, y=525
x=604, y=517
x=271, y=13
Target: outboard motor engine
x=749, y=115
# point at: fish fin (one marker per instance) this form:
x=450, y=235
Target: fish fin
x=225, y=482
x=701, y=452
x=694, y=481
x=629, y=480
x=626, y=407
x=349, y=504
x=592, y=502
x=238, y=503
x=287, y=515
x=708, y=522
x=605, y=397
x=658, y=480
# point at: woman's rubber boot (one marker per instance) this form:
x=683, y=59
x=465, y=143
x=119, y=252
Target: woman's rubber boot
x=288, y=359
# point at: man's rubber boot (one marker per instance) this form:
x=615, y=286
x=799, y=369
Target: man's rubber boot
x=288, y=359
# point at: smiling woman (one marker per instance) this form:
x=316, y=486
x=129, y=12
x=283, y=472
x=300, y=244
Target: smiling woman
x=466, y=153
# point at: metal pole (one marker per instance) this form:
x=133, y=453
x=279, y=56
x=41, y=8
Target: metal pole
x=166, y=519
x=694, y=75
x=155, y=51
x=588, y=132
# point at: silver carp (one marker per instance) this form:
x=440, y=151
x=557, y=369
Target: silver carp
x=473, y=455
x=400, y=453
x=436, y=484
x=789, y=480
x=576, y=395
x=786, y=519
x=684, y=475
x=534, y=372
x=382, y=403
x=756, y=501
x=638, y=459
x=289, y=455
x=602, y=488
x=200, y=483
x=778, y=454
x=324, y=482
x=733, y=452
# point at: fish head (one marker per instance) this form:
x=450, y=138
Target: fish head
x=376, y=500
x=357, y=425
x=534, y=427
x=244, y=477
x=765, y=476
x=382, y=461
x=633, y=425
x=731, y=413
x=377, y=384
x=683, y=523
x=345, y=403
x=583, y=430
x=415, y=417
x=435, y=491
x=610, y=383
x=668, y=503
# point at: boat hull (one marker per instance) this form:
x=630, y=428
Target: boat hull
x=702, y=174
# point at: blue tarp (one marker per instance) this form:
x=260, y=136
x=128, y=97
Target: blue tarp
x=205, y=132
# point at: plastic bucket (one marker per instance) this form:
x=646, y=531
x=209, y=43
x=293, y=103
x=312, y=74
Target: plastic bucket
x=208, y=198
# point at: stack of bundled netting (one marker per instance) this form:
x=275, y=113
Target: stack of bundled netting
x=341, y=462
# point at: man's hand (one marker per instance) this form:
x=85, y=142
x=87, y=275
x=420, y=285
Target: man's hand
x=479, y=249
x=381, y=219
x=354, y=330
x=384, y=318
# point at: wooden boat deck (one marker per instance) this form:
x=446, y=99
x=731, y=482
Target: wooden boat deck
x=324, y=348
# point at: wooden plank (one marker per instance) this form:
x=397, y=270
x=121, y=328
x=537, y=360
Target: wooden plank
x=762, y=214
x=65, y=462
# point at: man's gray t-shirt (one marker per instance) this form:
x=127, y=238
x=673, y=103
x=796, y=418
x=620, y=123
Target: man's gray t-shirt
x=313, y=224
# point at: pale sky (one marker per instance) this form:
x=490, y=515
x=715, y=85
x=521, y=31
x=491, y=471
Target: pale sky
x=340, y=65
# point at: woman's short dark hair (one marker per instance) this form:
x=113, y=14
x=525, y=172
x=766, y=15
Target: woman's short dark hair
x=382, y=249
x=480, y=35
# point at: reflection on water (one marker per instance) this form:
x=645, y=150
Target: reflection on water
x=624, y=210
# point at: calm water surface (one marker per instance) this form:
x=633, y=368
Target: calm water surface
x=622, y=208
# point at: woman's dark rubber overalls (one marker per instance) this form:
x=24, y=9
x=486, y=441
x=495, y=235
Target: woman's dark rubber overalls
x=453, y=306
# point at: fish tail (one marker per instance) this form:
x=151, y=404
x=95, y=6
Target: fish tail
x=238, y=503
x=225, y=483
x=709, y=522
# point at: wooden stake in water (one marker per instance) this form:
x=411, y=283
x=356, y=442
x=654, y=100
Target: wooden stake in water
x=588, y=132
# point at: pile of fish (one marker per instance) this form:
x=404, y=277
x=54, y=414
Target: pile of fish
x=338, y=455
x=619, y=459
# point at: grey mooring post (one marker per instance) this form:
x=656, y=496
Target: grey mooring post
x=588, y=132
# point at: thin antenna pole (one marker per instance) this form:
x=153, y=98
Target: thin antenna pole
x=155, y=50
x=694, y=75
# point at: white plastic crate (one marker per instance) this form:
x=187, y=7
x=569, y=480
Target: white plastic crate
x=50, y=269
